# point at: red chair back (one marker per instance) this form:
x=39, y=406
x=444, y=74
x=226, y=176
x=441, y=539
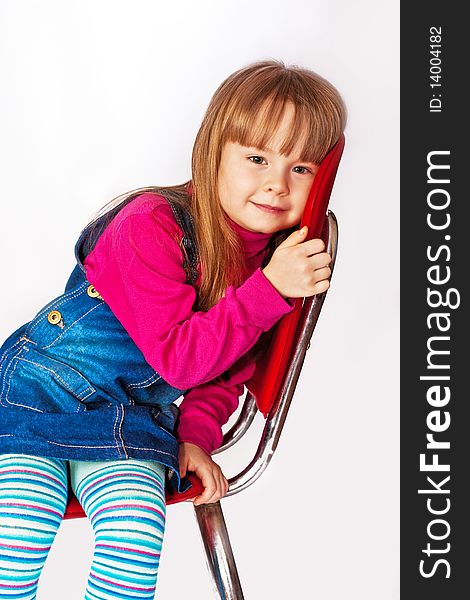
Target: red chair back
x=267, y=378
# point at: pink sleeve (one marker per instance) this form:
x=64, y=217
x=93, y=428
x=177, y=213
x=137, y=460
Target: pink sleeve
x=207, y=407
x=137, y=268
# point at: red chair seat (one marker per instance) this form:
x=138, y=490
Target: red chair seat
x=75, y=511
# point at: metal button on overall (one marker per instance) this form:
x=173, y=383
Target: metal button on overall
x=55, y=318
x=93, y=292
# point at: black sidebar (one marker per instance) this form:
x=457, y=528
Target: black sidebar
x=435, y=268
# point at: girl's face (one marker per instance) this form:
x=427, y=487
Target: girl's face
x=261, y=189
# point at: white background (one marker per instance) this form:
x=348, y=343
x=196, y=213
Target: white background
x=99, y=97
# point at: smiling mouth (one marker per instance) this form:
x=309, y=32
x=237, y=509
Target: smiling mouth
x=268, y=208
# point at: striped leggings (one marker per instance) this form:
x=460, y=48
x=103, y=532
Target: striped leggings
x=124, y=502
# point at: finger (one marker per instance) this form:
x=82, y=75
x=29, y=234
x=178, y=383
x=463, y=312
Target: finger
x=220, y=490
x=313, y=246
x=295, y=238
x=183, y=466
x=217, y=494
x=321, y=274
x=320, y=287
x=223, y=486
x=318, y=261
x=210, y=487
x=204, y=498
x=224, y=482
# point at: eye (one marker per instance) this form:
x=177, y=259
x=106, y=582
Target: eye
x=302, y=170
x=258, y=160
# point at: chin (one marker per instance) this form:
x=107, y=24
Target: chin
x=271, y=229
x=259, y=226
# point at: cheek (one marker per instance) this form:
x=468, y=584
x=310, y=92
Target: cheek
x=227, y=178
x=223, y=186
x=227, y=195
x=303, y=195
x=301, y=203
x=238, y=186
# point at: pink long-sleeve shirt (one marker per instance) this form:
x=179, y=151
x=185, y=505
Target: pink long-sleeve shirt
x=137, y=267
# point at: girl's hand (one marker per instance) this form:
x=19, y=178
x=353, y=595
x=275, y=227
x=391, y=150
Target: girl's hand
x=193, y=458
x=298, y=269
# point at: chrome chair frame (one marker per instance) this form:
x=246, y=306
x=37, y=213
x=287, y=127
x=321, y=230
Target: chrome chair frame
x=219, y=554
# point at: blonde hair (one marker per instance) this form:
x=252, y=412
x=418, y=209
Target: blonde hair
x=247, y=108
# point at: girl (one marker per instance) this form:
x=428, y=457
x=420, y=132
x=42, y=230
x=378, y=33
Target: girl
x=170, y=294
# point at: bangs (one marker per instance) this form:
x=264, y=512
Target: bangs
x=257, y=125
x=254, y=124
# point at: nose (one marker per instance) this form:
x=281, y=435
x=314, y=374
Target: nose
x=276, y=182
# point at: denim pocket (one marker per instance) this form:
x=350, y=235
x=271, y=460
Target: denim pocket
x=35, y=381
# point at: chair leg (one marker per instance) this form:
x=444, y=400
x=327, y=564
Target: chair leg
x=219, y=555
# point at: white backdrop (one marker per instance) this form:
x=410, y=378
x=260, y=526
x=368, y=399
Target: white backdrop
x=99, y=97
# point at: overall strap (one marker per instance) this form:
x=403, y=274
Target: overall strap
x=188, y=242
x=92, y=232
x=89, y=236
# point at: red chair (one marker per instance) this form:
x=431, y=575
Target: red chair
x=270, y=391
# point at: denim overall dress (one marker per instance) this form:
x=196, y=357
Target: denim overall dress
x=73, y=384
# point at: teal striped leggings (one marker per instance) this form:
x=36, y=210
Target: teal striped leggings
x=124, y=502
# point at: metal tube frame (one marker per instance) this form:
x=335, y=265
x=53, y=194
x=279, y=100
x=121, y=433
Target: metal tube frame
x=219, y=554
x=241, y=426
